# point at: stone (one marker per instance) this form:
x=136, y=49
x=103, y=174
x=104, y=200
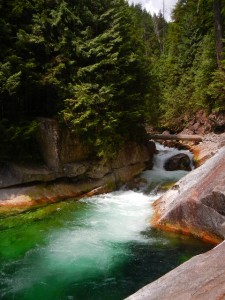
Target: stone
x=17, y=174
x=133, y=153
x=58, y=145
x=48, y=139
x=74, y=169
x=200, y=278
x=217, y=121
x=125, y=174
x=180, y=161
x=72, y=149
x=98, y=169
x=19, y=199
x=77, y=179
x=202, y=123
x=209, y=147
x=14, y=174
x=195, y=205
x=69, y=171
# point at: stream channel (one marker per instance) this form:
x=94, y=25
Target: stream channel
x=98, y=248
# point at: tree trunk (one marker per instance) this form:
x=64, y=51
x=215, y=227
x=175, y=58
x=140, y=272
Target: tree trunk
x=218, y=30
x=177, y=137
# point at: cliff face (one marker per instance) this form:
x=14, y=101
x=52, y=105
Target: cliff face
x=68, y=170
x=59, y=146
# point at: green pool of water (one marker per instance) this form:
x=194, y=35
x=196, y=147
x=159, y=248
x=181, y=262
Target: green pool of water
x=98, y=248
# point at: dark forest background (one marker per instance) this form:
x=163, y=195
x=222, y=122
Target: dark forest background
x=104, y=69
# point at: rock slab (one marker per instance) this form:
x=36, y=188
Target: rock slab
x=196, y=204
x=200, y=278
x=69, y=170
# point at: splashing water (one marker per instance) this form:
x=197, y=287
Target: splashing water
x=96, y=248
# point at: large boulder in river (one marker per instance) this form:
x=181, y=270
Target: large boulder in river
x=196, y=204
x=180, y=161
x=200, y=278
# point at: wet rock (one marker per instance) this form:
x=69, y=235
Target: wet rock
x=137, y=183
x=22, y=198
x=125, y=174
x=63, y=179
x=68, y=160
x=180, y=161
x=19, y=199
x=200, y=278
x=196, y=205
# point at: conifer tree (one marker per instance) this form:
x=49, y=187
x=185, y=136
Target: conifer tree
x=186, y=69
x=112, y=79
x=82, y=62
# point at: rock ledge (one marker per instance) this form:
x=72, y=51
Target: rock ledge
x=200, y=278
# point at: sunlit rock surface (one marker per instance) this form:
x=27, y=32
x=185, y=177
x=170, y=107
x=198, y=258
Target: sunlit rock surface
x=195, y=205
x=207, y=148
x=200, y=278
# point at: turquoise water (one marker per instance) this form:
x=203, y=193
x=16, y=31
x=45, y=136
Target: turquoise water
x=97, y=248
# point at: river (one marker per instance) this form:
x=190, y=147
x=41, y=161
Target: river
x=98, y=248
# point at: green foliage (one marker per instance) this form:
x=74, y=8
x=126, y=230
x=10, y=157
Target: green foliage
x=107, y=105
x=83, y=62
x=18, y=141
x=104, y=68
x=9, y=81
x=216, y=89
x=187, y=72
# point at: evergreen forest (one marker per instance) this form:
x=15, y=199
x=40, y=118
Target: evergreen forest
x=104, y=69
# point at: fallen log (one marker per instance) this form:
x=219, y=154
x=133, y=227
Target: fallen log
x=176, y=137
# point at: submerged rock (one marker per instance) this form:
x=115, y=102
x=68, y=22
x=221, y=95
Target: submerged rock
x=180, y=161
x=196, y=204
x=200, y=278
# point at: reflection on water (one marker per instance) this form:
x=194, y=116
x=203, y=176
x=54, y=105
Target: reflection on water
x=97, y=248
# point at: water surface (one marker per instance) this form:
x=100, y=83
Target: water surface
x=96, y=248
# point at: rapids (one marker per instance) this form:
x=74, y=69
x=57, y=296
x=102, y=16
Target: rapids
x=96, y=248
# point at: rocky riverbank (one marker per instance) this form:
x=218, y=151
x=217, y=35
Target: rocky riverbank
x=195, y=205
x=69, y=171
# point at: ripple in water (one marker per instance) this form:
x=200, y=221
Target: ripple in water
x=97, y=248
